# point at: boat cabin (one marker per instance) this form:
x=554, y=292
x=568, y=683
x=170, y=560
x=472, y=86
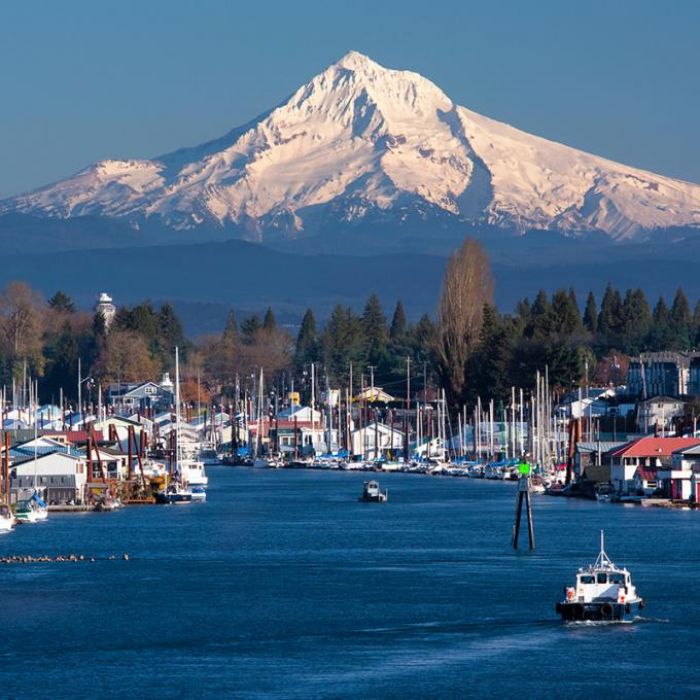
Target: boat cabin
x=601, y=584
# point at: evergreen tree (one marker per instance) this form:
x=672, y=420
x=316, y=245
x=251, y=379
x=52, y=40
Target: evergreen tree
x=375, y=331
x=250, y=328
x=661, y=333
x=696, y=324
x=488, y=368
x=62, y=354
x=398, y=322
x=307, y=345
x=541, y=322
x=343, y=342
x=681, y=322
x=566, y=317
x=635, y=321
x=269, y=322
x=610, y=317
x=171, y=331
x=590, y=315
x=60, y=301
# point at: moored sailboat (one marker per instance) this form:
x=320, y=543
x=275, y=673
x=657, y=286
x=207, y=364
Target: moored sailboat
x=178, y=491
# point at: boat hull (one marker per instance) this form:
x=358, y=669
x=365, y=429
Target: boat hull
x=172, y=497
x=600, y=611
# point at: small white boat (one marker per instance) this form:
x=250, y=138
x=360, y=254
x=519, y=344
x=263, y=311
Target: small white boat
x=373, y=494
x=31, y=510
x=7, y=520
x=174, y=493
x=603, y=593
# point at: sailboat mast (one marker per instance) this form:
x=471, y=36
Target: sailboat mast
x=258, y=436
x=36, y=439
x=177, y=408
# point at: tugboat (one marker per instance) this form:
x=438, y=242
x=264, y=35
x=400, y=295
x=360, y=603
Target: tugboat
x=603, y=593
x=373, y=494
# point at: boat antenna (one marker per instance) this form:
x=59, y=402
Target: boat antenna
x=603, y=560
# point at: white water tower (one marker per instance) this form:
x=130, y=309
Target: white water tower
x=106, y=308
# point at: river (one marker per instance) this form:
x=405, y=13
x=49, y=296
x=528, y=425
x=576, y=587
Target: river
x=283, y=585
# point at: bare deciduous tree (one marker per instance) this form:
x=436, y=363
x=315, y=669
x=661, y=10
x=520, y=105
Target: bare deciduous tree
x=467, y=287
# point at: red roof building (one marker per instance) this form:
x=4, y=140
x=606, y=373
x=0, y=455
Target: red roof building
x=637, y=462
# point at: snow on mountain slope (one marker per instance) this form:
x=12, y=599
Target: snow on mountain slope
x=359, y=138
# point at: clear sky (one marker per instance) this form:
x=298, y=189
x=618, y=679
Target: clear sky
x=87, y=79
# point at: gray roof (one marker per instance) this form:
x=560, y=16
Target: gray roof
x=694, y=450
x=603, y=445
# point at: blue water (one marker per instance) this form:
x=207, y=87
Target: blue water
x=283, y=585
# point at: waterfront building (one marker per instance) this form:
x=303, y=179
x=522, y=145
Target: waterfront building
x=303, y=437
x=143, y=397
x=660, y=373
x=376, y=440
x=61, y=477
x=694, y=374
x=682, y=478
x=592, y=402
x=658, y=414
x=636, y=464
x=302, y=414
x=589, y=460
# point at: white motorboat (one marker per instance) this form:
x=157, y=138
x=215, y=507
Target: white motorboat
x=373, y=494
x=31, y=510
x=603, y=593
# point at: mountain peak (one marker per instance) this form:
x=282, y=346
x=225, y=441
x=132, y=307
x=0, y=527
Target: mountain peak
x=364, y=142
x=354, y=60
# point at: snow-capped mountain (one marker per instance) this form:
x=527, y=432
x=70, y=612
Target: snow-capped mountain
x=360, y=140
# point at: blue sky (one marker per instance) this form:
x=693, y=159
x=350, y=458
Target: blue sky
x=87, y=80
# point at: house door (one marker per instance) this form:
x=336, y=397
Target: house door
x=675, y=489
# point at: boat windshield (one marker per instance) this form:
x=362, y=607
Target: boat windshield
x=601, y=578
x=617, y=578
x=587, y=578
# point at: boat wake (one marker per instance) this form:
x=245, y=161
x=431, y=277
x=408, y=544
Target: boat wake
x=637, y=619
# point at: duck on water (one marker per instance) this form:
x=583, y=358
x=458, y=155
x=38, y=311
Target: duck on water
x=603, y=593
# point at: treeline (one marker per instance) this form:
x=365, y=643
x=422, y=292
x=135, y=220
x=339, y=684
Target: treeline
x=470, y=348
x=499, y=351
x=368, y=341
x=552, y=332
